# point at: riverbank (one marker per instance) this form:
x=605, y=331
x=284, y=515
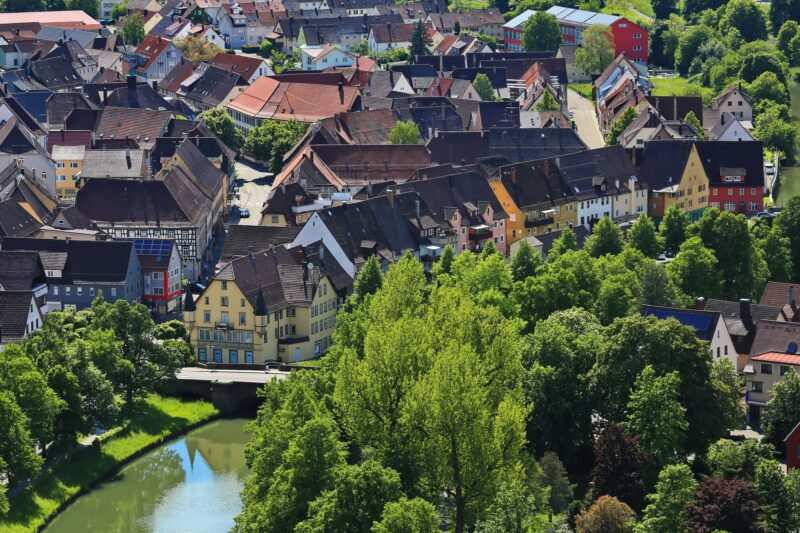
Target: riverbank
x=154, y=422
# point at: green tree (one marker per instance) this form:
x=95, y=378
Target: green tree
x=514, y=509
x=557, y=368
x=788, y=220
x=419, y=40
x=270, y=140
x=620, y=125
x=692, y=120
x=266, y=48
x=776, y=134
x=673, y=229
x=664, y=8
x=689, y=44
x=767, y=86
x=760, y=61
x=17, y=448
x=133, y=29
x=525, y=261
x=615, y=298
x=443, y=265
x=777, y=507
x=565, y=242
x=734, y=250
x=4, y=507
x=596, y=51
x=483, y=86
x=777, y=251
x=737, y=460
x=783, y=409
x=666, y=508
x=368, y=280
x=19, y=5
x=656, y=415
x=781, y=11
x=355, y=500
x=694, y=269
x=726, y=388
x=119, y=10
x=786, y=34
x=642, y=236
x=656, y=287
x=606, y=238
x=554, y=476
x=473, y=440
x=142, y=363
x=547, y=103
x=408, y=516
x=606, y=515
x=745, y=16
x=90, y=7
x=541, y=33
x=405, y=132
x=196, y=48
x=221, y=124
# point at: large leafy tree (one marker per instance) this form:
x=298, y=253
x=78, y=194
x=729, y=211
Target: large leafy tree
x=405, y=132
x=220, y=122
x=270, y=140
x=554, y=476
x=525, y=261
x=689, y=44
x=656, y=415
x=789, y=222
x=783, y=410
x=90, y=7
x=673, y=229
x=642, y=236
x=778, y=508
x=633, y=342
x=368, y=280
x=133, y=29
x=745, y=16
x=355, y=500
x=483, y=86
x=620, y=125
x=694, y=269
x=515, y=508
x=620, y=467
x=606, y=515
x=541, y=32
x=724, y=504
x=737, y=460
x=781, y=11
x=777, y=251
x=408, y=516
x=606, y=238
x=557, y=373
x=17, y=447
x=596, y=51
x=667, y=507
x=419, y=40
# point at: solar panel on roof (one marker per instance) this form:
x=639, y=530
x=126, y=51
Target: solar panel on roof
x=700, y=322
x=579, y=16
x=152, y=246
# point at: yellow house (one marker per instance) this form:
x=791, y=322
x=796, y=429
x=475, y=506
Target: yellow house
x=690, y=194
x=274, y=305
x=69, y=162
x=515, y=225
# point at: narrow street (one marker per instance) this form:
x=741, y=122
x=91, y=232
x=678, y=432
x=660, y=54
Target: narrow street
x=586, y=120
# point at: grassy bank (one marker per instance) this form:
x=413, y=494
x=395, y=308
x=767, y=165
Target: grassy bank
x=583, y=89
x=678, y=86
x=154, y=421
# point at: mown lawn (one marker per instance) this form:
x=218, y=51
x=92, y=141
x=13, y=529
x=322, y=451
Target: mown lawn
x=466, y=5
x=680, y=87
x=639, y=11
x=153, y=420
x=583, y=89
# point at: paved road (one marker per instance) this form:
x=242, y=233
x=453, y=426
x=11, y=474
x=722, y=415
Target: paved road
x=254, y=186
x=191, y=373
x=585, y=120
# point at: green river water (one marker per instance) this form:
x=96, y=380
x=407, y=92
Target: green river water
x=189, y=485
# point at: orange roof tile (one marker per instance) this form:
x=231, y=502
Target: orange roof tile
x=780, y=358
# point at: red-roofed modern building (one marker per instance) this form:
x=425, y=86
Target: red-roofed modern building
x=630, y=38
x=60, y=19
x=269, y=98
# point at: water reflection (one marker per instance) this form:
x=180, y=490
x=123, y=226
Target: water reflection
x=191, y=485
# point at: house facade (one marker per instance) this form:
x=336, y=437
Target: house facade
x=160, y=261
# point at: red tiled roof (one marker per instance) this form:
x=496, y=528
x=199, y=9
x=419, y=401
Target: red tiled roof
x=62, y=19
x=445, y=44
x=776, y=293
x=779, y=358
x=172, y=81
x=150, y=48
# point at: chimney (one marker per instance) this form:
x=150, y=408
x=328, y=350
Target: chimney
x=341, y=92
x=390, y=197
x=745, y=315
x=128, y=158
x=792, y=300
x=131, y=84
x=416, y=207
x=700, y=303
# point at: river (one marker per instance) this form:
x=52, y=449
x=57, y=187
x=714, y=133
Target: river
x=189, y=485
x=790, y=176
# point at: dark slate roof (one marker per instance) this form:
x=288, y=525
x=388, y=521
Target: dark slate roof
x=547, y=240
x=111, y=200
x=443, y=63
x=20, y=271
x=611, y=163
x=88, y=261
x=497, y=75
x=535, y=183
x=676, y=107
x=328, y=29
x=475, y=59
x=59, y=105
x=499, y=115
x=415, y=71
x=463, y=190
x=55, y=73
x=205, y=174
x=373, y=221
x=212, y=86
x=14, y=308
x=742, y=330
x=141, y=96
x=83, y=37
x=242, y=240
x=34, y=103
x=663, y=162
x=773, y=336
x=514, y=144
x=14, y=138
x=704, y=323
x=17, y=81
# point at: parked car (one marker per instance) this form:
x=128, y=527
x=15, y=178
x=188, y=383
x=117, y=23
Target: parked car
x=244, y=212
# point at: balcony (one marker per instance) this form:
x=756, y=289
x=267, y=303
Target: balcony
x=480, y=232
x=223, y=325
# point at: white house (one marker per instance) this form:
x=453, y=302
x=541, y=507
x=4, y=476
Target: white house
x=385, y=37
x=735, y=101
x=156, y=57
x=315, y=230
x=19, y=316
x=729, y=128
x=325, y=56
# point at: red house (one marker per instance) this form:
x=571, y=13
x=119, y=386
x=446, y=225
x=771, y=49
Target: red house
x=161, y=273
x=792, y=444
x=630, y=38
